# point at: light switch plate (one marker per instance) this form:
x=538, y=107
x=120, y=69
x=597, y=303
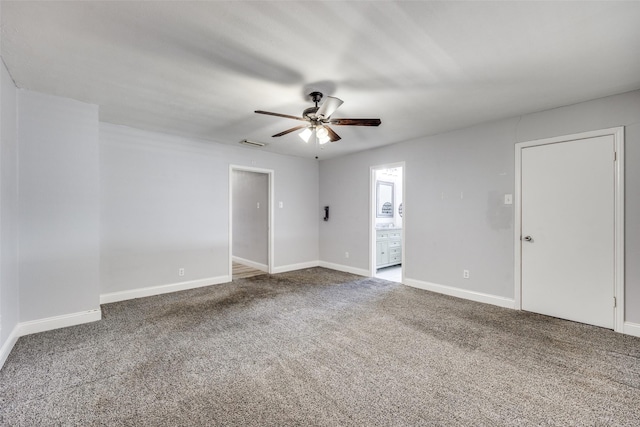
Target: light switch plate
x=508, y=199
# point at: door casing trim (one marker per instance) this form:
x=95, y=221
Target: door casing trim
x=270, y=232
x=618, y=292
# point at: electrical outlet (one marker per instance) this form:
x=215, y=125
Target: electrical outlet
x=465, y=274
x=346, y=254
x=281, y=205
x=181, y=272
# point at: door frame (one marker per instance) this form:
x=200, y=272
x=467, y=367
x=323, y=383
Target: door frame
x=372, y=214
x=270, y=246
x=618, y=291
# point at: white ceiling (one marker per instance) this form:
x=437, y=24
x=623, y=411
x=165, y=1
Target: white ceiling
x=200, y=69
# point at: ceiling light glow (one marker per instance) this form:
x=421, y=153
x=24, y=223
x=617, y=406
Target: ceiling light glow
x=305, y=134
x=322, y=132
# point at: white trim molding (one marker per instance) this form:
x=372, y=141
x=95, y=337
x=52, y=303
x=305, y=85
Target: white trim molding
x=345, y=268
x=372, y=216
x=46, y=324
x=293, y=267
x=57, y=322
x=461, y=293
x=161, y=289
x=631, y=329
x=6, y=348
x=324, y=264
x=252, y=264
x=618, y=135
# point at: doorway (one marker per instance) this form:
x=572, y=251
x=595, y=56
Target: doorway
x=569, y=227
x=387, y=225
x=250, y=221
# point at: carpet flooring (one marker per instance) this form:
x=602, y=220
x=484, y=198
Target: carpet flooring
x=320, y=348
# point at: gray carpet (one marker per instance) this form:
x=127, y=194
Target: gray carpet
x=319, y=347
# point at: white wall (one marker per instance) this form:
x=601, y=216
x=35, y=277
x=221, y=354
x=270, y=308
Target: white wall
x=251, y=216
x=475, y=232
x=9, y=303
x=103, y=208
x=164, y=206
x=98, y=208
x=58, y=206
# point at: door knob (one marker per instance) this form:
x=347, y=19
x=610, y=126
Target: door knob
x=527, y=239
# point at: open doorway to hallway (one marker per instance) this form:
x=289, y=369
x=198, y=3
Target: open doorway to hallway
x=387, y=222
x=251, y=213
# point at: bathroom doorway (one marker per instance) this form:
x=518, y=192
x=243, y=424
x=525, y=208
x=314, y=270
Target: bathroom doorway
x=387, y=222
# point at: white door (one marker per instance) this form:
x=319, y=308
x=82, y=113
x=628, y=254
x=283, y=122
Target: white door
x=567, y=196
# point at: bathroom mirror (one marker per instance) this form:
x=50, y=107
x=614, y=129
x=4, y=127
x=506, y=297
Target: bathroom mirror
x=384, y=199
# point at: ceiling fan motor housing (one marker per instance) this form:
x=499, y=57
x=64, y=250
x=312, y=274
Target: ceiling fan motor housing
x=310, y=113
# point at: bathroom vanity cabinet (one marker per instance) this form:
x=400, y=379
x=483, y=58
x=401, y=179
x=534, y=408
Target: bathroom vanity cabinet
x=388, y=247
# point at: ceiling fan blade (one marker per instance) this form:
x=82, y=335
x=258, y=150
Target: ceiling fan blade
x=332, y=135
x=328, y=107
x=279, y=115
x=289, y=130
x=355, y=122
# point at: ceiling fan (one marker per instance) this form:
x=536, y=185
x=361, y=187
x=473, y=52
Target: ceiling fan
x=319, y=118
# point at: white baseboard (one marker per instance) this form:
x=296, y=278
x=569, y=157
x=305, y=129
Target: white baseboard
x=56, y=322
x=161, y=289
x=252, y=264
x=46, y=324
x=461, y=293
x=345, y=268
x=631, y=329
x=293, y=267
x=8, y=345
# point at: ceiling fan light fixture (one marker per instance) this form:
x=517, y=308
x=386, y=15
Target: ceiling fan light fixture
x=305, y=134
x=318, y=119
x=322, y=132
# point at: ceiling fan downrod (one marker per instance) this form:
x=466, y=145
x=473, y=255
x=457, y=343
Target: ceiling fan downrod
x=315, y=97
